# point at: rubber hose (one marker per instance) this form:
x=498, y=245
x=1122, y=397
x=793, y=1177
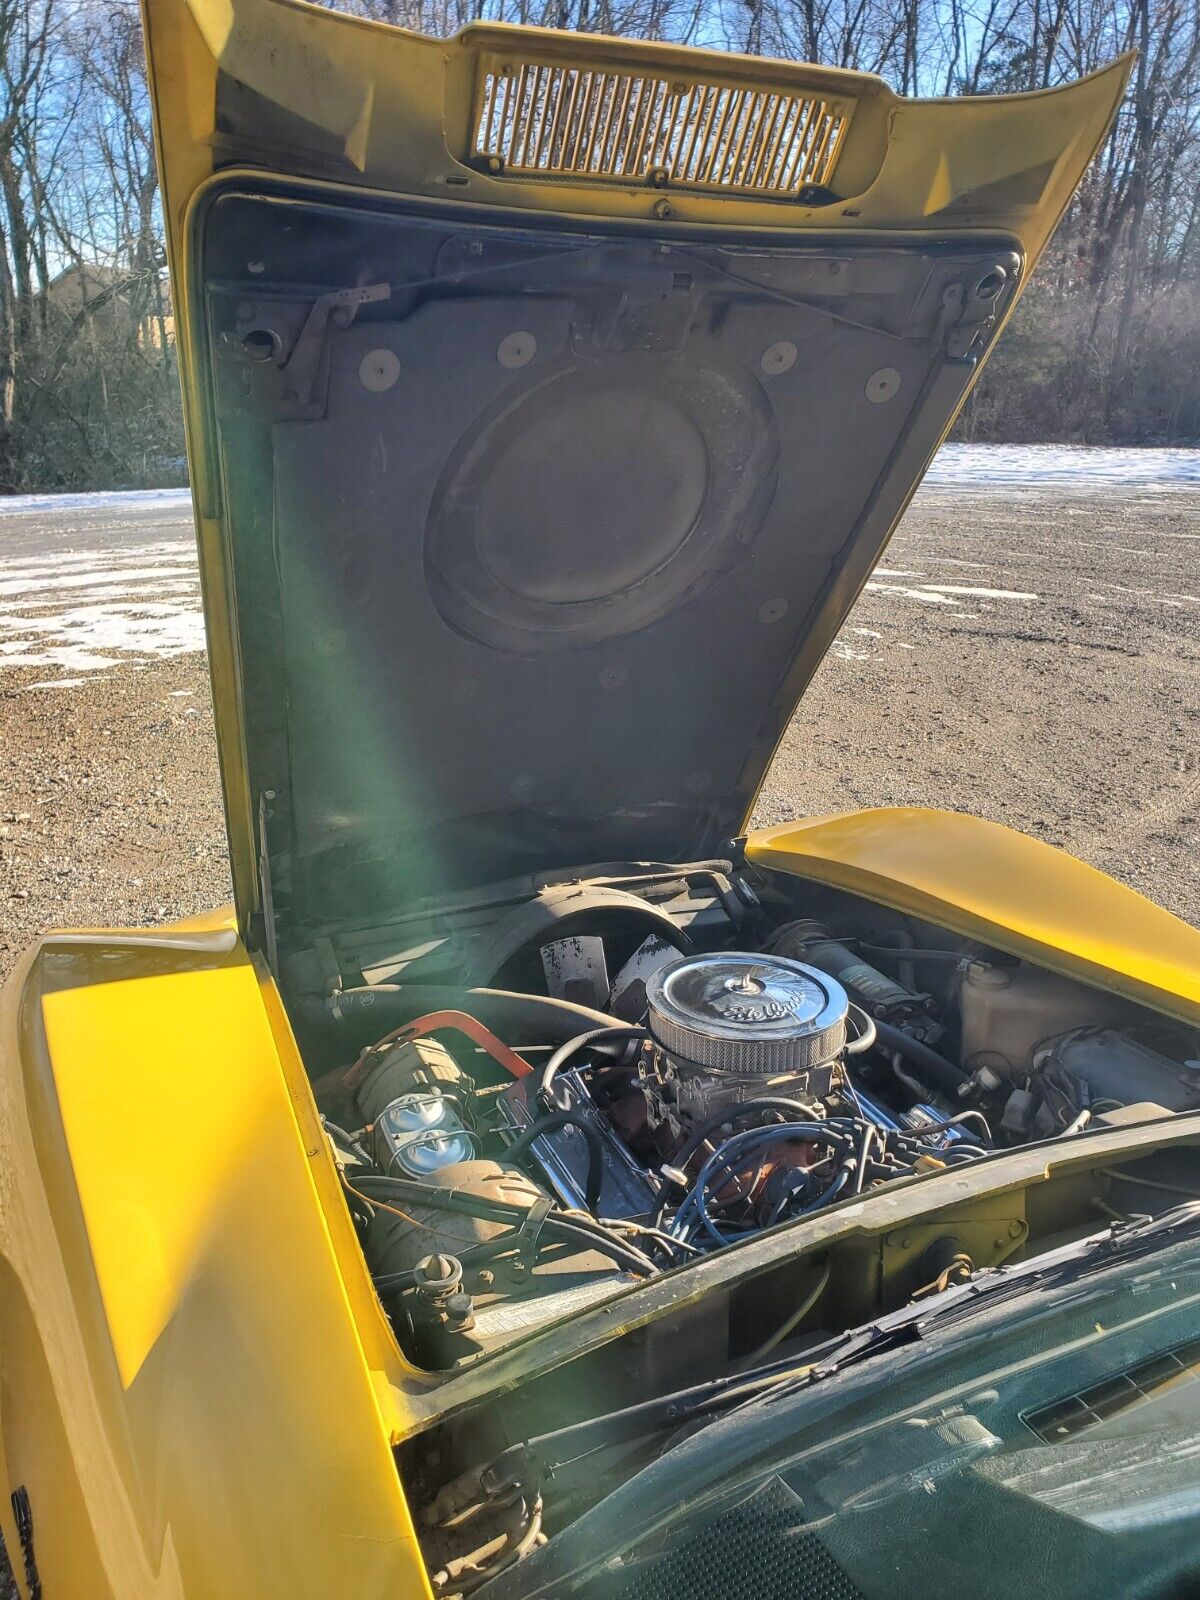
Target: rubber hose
x=504, y=1010
x=569, y=1229
x=564, y=1119
x=948, y=1078
x=595, y=1039
x=867, y=1031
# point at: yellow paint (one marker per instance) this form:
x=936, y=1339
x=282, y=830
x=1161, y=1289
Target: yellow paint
x=990, y=883
x=199, y=1391
x=335, y=102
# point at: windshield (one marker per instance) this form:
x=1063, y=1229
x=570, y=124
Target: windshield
x=1044, y=1446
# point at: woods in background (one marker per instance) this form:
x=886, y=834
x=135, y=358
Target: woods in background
x=1104, y=348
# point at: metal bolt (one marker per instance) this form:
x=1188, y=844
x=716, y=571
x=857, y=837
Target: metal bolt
x=1015, y=1230
x=662, y=209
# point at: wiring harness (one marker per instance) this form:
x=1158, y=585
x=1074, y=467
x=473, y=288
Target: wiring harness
x=741, y=1187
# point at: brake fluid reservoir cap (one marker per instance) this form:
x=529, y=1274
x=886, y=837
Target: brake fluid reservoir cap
x=747, y=1013
x=420, y=1133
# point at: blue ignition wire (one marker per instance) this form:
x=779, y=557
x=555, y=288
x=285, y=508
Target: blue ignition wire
x=743, y=1145
x=838, y=1133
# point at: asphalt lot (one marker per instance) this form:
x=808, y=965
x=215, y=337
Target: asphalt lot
x=1029, y=651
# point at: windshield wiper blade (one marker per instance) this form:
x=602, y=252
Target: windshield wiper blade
x=1141, y=1236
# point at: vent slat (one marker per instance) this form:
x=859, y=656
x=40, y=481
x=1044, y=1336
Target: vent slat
x=771, y=142
x=539, y=119
x=696, y=157
x=798, y=157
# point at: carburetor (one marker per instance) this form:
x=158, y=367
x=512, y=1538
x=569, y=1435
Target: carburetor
x=733, y=1026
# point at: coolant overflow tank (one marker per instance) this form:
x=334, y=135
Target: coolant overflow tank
x=747, y=1014
x=1008, y=1011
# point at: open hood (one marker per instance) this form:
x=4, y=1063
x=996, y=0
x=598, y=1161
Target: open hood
x=549, y=400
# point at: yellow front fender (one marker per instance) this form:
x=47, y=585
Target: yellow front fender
x=199, y=1393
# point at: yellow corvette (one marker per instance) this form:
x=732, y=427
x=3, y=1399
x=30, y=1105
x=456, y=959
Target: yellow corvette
x=536, y=1186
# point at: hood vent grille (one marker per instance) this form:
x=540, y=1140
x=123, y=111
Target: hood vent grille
x=554, y=121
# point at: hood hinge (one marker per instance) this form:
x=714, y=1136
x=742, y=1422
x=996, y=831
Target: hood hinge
x=339, y=307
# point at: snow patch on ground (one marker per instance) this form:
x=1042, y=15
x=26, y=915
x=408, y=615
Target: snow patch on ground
x=102, y=500
x=1061, y=466
x=123, y=580
x=925, y=595
x=88, y=611
x=981, y=594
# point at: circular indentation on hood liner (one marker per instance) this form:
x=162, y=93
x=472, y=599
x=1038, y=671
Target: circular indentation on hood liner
x=378, y=370
x=598, y=495
x=883, y=385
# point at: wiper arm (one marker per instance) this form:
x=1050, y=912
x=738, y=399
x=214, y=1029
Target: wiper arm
x=540, y=1457
x=1141, y=1236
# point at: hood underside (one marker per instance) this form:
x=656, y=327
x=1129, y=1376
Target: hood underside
x=526, y=520
x=557, y=534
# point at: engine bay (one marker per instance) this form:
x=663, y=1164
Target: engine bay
x=673, y=1061
x=596, y=1084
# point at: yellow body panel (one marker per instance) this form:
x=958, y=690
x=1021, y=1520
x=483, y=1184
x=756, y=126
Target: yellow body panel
x=988, y=882
x=199, y=1391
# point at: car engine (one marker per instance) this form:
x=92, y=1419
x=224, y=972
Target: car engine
x=544, y=1135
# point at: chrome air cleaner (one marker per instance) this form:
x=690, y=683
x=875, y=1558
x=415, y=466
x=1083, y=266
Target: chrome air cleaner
x=748, y=1015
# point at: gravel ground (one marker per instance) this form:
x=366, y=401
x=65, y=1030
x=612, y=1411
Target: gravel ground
x=1029, y=655
x=1068, y=706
